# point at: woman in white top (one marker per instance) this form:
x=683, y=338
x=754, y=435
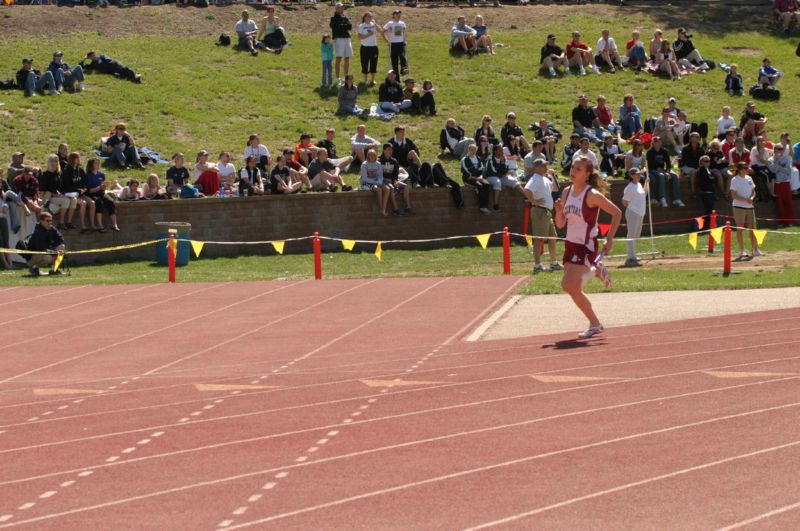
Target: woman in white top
x=260, y=152
x=655, y=44
x=725, y=123
x=635, y=158
x=227, y=172
x=368, y=32
x=634, y=198
x=743, y=192
x=250, y=181
x=579, y=209
x=372, y=181
x=394, y=32
x=665, y=59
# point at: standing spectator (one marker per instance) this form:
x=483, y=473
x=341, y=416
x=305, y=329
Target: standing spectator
x=584, y=120
x=348, y=95
x=247, y=31
x=31, y=80
x=734, y=84
x=781, y=165
x=607, y=51
x=45, y=238
x=106, y=65
x=786, y=10
x=743, y=192
x=372, y=180
x=123, y=149
x=660, y=168
x=512, y=136
x=630, y=117
x=483, y=40
x=323, y=175
x=367, y=33
x=553, y=56
x=96, y=190
x=396, y=31
x=752, y=123
x=472, y=171
x=462, y=37
x=686, y=53
x=360, y=143
x=340, y=30
x=272, y=34
x=635, y=52
x=725, y=123
x=538, y=191
x=73, y=184
x=326, y=49
x=453, y=139
x=344, y=162
x=764, y=179
x=634, y=199
x=705, y=183
x=690, y=159
x=66, y=76
x=579, y=54
x=177, y=174
x=768, y=75
x=255, y=148
x=390, y=94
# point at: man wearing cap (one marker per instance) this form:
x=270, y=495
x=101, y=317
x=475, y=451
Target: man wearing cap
x=64, y=74
x=553, y=56
x=538, y=191
x=579, y=54
x=685, y=52
x=342, y=46
x=45, y=238
x=752, y=123
x=106, y=65
x=584, y=119
x=395, y=35
x=18, y=167
x=31, y=80
x=247, y=30
x=122, y=148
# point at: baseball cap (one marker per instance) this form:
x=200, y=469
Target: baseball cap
x=27, y=60
x=58, y=53
x=672, y=100
x=202, y=153
x=681, y=30
x=551, y=36
x=18, y=154
x=396, y=12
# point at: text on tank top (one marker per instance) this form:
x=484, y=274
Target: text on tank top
x=581, y=219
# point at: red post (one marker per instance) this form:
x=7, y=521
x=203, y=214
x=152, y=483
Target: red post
x=712, y=225
x=506, y=252
x=171, y=246
x=317, y=257
x=726, y=264
x=526, y=218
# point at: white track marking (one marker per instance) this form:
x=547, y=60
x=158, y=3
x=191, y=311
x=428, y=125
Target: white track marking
x=492, y=319
x=762, y=516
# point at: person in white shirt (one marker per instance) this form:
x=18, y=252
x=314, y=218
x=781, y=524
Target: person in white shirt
x=227, y=172
x=743, y=192
x=247, y=31
x=538, y=191
x=634, y=199
x=462, y=37
x=607, y=51
x=260, y=152
x=537, y=153
x=586, y=151
x=725, y=123
x=394, y=32
x=361, y=143
x=367, y=33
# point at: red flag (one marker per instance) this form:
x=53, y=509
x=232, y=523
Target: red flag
x=700, y=222
x=603, y=228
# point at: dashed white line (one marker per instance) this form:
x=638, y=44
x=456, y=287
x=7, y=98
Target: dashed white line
x=312, y=449
x=62, y=407
x=47, y=494
x=209, y=406
x=156, y=434
x=364, y=407
x=195, y=413
x=355, y=413
x=372, y=400
x=26, y=506
x=333, y=433
x=254, y=498
x=302, y=458
x=145, y=441
x=219, y=400
x=33, y=419
x=281, y=475
x=112, y=459
x=129, y=450
x=268, y=486
x=67, y=484
x=85, y=473
x=322, y=441
x=240, y=510
x=6, y=517
x=47, y=413
x=184, y=419
x=225, y=523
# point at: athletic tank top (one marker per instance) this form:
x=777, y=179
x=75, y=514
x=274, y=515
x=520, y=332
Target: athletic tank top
x=581, y=219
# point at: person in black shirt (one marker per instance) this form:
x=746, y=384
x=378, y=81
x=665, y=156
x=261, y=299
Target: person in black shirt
x=342, y=46
x=344, y=162
x=283, y=179
x=31, y=80
x=584, y=119
x=63, y=154
x=660, y=167
x=177, y=175
x=122, y=149
x=705, y=183
x=73, y=184
x=513, y=138
x=50, y=187
x=397, y=177
x=106, y=65
x=553, y=56
x=406, y=153
x=685, y=52
x=45, y=238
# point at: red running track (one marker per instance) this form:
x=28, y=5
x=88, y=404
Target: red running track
x=357, y=404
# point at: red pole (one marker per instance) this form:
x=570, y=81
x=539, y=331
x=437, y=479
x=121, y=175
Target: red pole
x=526, y=218
x=726, y=264
x=506, y=252
x=712, y=225
x=317, y=257
x=171, y=246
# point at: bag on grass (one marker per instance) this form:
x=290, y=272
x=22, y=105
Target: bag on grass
x=762, y=93
x=224, y=40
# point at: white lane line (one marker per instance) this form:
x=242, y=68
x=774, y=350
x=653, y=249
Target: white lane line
x=312, y=449
x=47, y=294
x=302, y=458
x=239, y=511
x=156, y=434
x=333, y=433
x=225, y=523
x=281, y=475
x=6, y=517
x=633, y=484
x=322, y=441
x=86, y=473
x=478, y=317
x=484, y=326
x=47, y=413
x=32, y=419
x=364, y=407
x=195, y=413
x=184, y=419
x=63, y=407
x=269, y=485
x=145, y=441
x=762, y=516
x=254, y=498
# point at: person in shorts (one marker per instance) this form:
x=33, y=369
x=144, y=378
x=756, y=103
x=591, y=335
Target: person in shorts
x=743, y=193
x=538, y=191
x=499, y=175
x=342, y=46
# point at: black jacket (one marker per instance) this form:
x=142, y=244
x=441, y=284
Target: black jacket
x=456, y=134
x=401, y=152
x=22, y=77
x=72, y=179
x=44, y=239
x=392, y=92
x=340, y=27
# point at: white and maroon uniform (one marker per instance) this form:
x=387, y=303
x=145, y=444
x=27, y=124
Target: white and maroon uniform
x=581, y=244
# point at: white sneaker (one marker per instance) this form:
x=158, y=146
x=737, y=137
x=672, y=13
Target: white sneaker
x=567, y=71
x=596, y=70
x=79, y=87
x=743, y=254
x=758, y=252
x=485, y=211
x=663, y=202
x=552, y=72
x=583, y=71
x=538, y=268
x=678, y=203
x=556, y=266
x=591, y=331
x=54, y=93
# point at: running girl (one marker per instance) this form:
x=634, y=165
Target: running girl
x=579, y=209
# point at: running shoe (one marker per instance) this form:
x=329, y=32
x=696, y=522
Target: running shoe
x=538, y=268
x=556, y=266
x=590, y=332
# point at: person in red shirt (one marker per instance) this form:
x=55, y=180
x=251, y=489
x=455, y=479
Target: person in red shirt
x=729, y=143
x=305, y=151
x=635, y=52
x=605, y=116
x=787, y=10
x=26, y=186
x=739, y=153
x=579, y=54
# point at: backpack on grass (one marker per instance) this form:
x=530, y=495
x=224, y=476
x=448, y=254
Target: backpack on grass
x=764, y=93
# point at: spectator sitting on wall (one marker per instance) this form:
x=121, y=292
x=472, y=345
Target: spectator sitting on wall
x=31, y=80
x=106, y=65
x=227, y=172
x=132, y=191
x=18, y=167
x=247, y=30
x=324, y=175
x=500, y=176
x=206, y=174
x=177, y=174
x=250, y=179
x=513, y=137
x=342, y=163
x=65, y=76
x=122, y=148
x=45, y=238
x=407, y=153
x=396, y=178
x=152, y=189
x=360, y=143
x=372, y=181
x=26, y=186
x=472, y=171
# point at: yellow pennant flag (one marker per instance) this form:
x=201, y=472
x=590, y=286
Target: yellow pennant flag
x=197, y=247
x=278, y=246
x=348, y=244
x=60, y=258
x=483, y=239
x=760, y=235
x=529, y=240
x=378, y=251
x=693, y=240
x=717, y=235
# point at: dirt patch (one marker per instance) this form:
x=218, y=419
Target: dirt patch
x=744, y=52
x=773, y=261
x=4, y=113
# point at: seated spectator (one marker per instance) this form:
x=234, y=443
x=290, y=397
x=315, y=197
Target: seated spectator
x=512, y=159
x=483, y=41
x=272, y=34
x=725, y=123
x=487, y=130
x=635, y=158
x=26, y=186
x=787, y=11
x=372, y=181
x=206, y=174
x=781, y=166
x=660, y=170
x=585, y=121
x=605, y=117
x=132, y=191
x=585, y=150
x=472, y=171
x=396, y=178
x=536, y=154
x=634, y=52
x=734, y=84
x=484, y=149
x=300, y=171
x=452, y=139
x=123, y=149
x=553, y=56
x=33, y=81
x=348, y=94
x=499, y=175
x=428, y=101
x=18, y=167
x=390, y=94
x=743, y=194
x=768, y=75
x=45, y=238
x=52, y=196
x=305, y=151
x=283, y=179
x=462, y=37
x=360, y=143
x=580, y=55
x=250, y=180
x=153, y=190
x=546, y=133
x=344, y=162
x=612, y=157
x=419, y=100
x=177, y=175
x=5, y=237
x=760, y=156
x=106, y=65
x=260, y=152
x=96, y=190
x=630, y=117
x=667, y=63
x=607, y=51
x=569, y=150
x=407, y=153
x=513, y=137
x=739, y=153
x=681, y=128
x=247, y=30
x=66, y=76
x=655, y=44
x=718, y=165
x=664, y=128
x=685, y=52
x=752, y=123
x=73, y=184
x=227, y=172
x=690, y=159
x=672, y=106
x=63, y=154
x=705, y=182
x=323, y=175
